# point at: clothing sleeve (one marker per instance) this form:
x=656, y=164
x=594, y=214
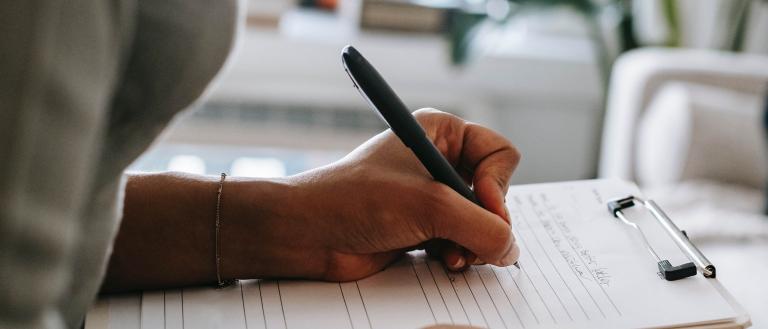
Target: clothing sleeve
x=85, y=87
x=176, y=48
x=58, y=65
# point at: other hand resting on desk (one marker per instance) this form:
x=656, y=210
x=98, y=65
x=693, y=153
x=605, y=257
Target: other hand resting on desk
x=340, y=222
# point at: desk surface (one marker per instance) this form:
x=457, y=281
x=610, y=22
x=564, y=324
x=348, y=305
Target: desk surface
x=742, y=269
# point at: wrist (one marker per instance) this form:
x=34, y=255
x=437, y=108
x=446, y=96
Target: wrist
x=262, y=233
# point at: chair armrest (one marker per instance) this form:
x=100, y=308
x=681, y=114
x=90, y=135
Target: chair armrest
x=639, y=74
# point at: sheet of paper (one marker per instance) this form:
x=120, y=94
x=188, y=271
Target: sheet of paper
x=580, y=268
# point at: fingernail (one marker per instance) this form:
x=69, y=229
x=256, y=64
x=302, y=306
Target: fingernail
x=459, y=263
x=510, y=258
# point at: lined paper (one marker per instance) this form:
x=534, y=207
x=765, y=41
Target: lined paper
x=578, y=269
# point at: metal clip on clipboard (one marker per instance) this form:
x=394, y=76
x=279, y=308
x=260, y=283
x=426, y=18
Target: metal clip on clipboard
x=666, y=270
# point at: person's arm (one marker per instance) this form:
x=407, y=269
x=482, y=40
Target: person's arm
x=341, y=222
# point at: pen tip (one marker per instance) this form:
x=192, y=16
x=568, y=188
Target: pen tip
x=517, y=264
x=349, y=50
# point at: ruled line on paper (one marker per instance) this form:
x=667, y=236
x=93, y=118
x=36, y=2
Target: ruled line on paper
x=261, y=299
x=152, y=310
x=456, y=280
x=581, y=256
x=346, y=306
x=500, y=301
x=552, y=263
x=546, y=230
x=571, y=243
x=525, y=246
x=141, y=314
x=365, y=308
x=509, y=300
x=440, y=291
x=525, y=299
x=282, y=308
x=525, y=273
x=495, y=307
x=173, y=310
x=413, y=268
x=464, y=276
x=453, y=289
x=182, y=308
x=459, y=299
x=555, y=224
x=242, y=300
x=582, y=263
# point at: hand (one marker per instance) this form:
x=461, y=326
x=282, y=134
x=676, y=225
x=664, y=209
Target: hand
x=350, y=219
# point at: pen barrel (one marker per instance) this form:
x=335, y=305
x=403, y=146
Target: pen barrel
x=439, y=167
x=391, y=108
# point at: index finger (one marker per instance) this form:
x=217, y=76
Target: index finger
x=492, y=159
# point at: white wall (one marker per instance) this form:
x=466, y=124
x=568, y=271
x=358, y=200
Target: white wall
x=544, y=99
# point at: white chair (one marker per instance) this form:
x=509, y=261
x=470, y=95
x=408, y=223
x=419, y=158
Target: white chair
x=687, y=126
x=638, y=76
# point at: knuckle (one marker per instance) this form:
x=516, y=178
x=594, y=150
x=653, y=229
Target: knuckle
x=429, y=115
x=514, y=153
x=426, y=112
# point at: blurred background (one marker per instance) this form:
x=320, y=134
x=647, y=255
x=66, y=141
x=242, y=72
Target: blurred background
x=670, y=94
x=536, y=71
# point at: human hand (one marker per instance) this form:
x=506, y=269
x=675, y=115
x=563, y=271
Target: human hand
x=350, y=219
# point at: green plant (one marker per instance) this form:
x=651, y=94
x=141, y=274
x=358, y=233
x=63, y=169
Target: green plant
x=463, y=22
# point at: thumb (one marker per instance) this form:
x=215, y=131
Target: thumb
x=484, y=233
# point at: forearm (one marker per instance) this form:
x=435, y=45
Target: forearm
x=166, y=236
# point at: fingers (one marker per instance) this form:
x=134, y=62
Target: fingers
x=483, y=233
x=488, y=159
x=483, y=157
x=494, y=159
x=453, y=256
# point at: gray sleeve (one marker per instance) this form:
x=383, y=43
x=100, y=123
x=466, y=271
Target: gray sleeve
x=56, y=77
x=85, y=87
x=178, y=47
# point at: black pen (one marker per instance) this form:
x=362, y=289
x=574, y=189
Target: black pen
x=384, y=101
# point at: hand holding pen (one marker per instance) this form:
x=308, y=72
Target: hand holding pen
x=383, y=99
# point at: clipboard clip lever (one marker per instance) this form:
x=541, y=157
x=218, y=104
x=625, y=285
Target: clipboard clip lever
x=666, y=269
